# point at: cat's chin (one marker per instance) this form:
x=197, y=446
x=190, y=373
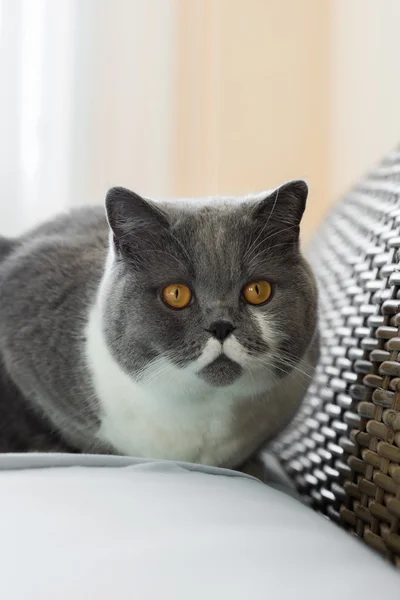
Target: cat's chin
x=221, y=372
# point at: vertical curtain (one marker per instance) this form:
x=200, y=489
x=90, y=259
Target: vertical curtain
x=86, y=101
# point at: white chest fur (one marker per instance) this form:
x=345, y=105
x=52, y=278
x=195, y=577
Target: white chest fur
x=171, y=413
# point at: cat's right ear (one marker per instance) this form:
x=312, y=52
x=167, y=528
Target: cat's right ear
x=131, y=217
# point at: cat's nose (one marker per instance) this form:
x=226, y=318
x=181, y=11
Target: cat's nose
x=221, y=329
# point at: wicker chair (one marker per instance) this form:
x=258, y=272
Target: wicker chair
x=343, y=450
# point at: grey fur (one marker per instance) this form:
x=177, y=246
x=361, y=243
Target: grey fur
x=49, y=279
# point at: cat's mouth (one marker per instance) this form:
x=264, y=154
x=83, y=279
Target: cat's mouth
x=221, y=371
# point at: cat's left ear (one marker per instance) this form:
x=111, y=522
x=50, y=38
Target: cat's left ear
x=284, y=207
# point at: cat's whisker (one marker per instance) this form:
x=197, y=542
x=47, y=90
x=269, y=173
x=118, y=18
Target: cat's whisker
x=305, y=369
x=308, y=375
x=263, y=241
x=250, y=250
x=253, y=382
x=296, y=365
x=155, y=369
x=295, y=362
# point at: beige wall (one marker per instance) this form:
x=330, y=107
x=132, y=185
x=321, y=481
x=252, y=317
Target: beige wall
x=254, y=103
x=365, y=107
x=270, y=90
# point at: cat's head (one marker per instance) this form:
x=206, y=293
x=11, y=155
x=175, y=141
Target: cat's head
x=217, y=286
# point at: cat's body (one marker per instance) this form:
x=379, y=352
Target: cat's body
x=48, y=280
x=92, y=360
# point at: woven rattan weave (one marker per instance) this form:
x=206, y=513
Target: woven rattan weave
x=343, y=450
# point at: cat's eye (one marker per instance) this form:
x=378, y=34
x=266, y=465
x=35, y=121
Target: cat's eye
x=177, y=295
x=257, y=292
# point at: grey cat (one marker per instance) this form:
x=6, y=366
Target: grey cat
x=181, y=330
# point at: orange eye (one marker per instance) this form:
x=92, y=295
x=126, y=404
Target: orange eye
x=177, y=295
x=257, y=292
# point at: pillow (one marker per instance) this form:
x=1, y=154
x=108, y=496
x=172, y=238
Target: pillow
x=95, y=527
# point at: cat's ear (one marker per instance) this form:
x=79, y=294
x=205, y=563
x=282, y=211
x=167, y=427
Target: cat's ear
x=284, y=207
x=130, y=216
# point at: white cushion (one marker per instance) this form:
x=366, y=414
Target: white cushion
x=117, y=528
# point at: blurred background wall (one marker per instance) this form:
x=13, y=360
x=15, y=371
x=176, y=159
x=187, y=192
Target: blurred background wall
x=191, y=97
x=364, y=88
x=265, y=109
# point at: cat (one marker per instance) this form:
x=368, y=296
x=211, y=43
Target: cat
x=182, y=330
